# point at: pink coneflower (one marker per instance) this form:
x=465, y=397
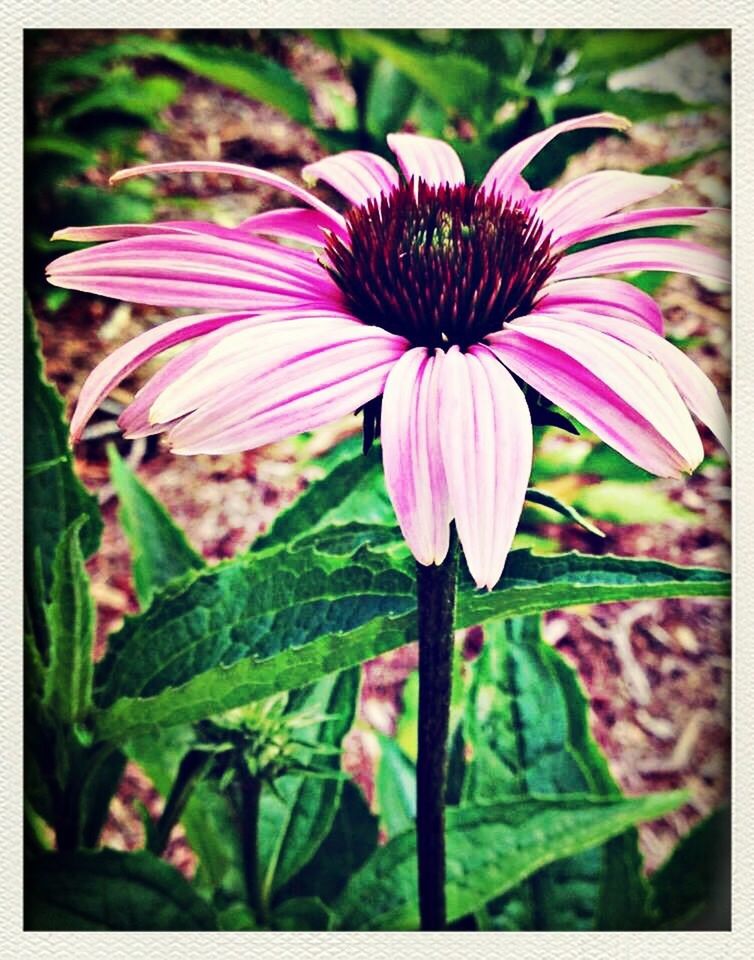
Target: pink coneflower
x=430, y=304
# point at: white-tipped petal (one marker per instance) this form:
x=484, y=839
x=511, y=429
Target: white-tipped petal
x=486, y=439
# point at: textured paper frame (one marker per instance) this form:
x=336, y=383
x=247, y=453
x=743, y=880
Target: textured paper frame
x=737, y=16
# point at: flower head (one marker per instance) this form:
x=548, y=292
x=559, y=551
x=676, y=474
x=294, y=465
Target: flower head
x=431, y=304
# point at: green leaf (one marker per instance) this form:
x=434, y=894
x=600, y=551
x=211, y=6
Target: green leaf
x=246, y=72
x=649, y=281
x=70, y=618
x=396, y=788
x=351, y=841
x=53, y=497
x=159, y=549
x=691, y=890
x=98, y=205
x=516, y=725
x=124, y=92
x=110, y=890
x=237, y=917
x=103, y=777
x=389, y=97
x=408, y=721
x=62, y=146
x=223, y=637
x=609, y=50
x=621, y=501
x=453, y=80
x=534, y=584
x=624, y=891
x=242, y=609
x=637, y=105
x=351, y=489
x=429, y=117
x=526, y=725
x=294, y=824
x=249, y=73
x=678, y=164
x=303, y=913
x=489, y=850
x=607, y=463
x=207, y=818
x=544, y=499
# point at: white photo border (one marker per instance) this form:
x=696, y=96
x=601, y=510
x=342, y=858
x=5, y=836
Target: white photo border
x=736, y=16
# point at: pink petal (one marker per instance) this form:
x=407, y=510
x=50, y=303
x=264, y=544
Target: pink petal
x=486, y=439
x=613, y=298
x=124, y=231
x=411, y=453
x=658, y=217
x=591, y=197
x=117, y=366
x=301, y=382
x=199, y=238
x=693, y=385
x=292, y=223
x=424, y=158
x=656, y=253
x=295, y=223
x=235, y=170
x=114, y=231
x=134, y=421
x=205, y=270
x=621, y=395
x=503, y=173
x=356, y=174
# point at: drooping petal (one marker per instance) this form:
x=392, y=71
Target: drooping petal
x=356, y=174
x=291, y=377
x=595, y=195
x=693, y=385
x=424, y=158
x=235, y=273
x=614, y=298
x=117, y=366
x=655, y=253
x=486, y=440
x=134, y=421
x=414, y=472
x=503, y=173
x=625, y=397
x=234, y=170
x=657, y=217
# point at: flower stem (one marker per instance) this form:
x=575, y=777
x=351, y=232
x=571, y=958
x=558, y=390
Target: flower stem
x=191, y=770
x=250, y=790
x=436, y=595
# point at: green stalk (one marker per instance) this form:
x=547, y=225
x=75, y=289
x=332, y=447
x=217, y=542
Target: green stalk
x=436, y=594
x=250, y=793
x=190, y=772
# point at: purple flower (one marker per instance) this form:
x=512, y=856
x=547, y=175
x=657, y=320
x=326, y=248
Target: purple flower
x=429, y=304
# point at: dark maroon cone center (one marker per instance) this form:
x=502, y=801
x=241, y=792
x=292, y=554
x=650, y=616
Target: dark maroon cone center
x=440, y=265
